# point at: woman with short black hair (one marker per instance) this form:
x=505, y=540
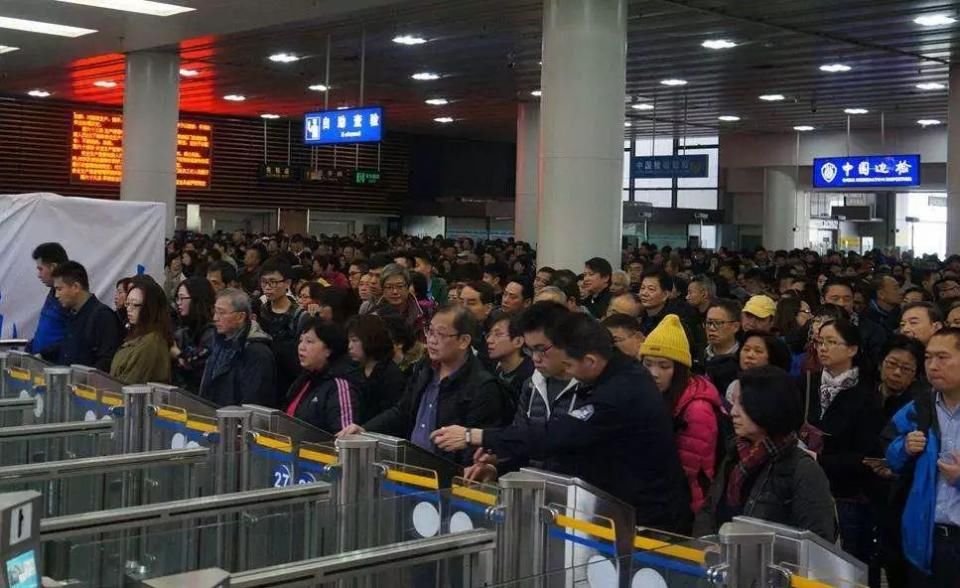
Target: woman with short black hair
x=370, y=345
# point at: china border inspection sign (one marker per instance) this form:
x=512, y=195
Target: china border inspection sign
x=866, y=171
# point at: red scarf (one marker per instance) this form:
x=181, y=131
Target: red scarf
x=752, y=459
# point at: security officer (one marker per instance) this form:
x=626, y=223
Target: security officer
x=617, y=434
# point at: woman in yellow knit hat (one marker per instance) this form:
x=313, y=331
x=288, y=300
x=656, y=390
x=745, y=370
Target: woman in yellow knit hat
x=693, y=400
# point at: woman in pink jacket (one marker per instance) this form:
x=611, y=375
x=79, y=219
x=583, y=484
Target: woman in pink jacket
x=694, y=401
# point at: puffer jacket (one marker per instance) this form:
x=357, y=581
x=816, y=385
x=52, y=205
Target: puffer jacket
x=327, y=399
x=695, y=424
x=241, y=369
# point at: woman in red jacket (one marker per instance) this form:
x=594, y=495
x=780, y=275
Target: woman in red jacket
x=694, y=401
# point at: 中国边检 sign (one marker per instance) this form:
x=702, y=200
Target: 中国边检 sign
x=866, y=171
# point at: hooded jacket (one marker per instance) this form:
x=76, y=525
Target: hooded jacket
x=241, y=369
x=697, y=431
x=535, y=402
x=328, y=399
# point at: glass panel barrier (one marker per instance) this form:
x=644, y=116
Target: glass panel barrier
x=801, y=577
x=673, y=559
x=31, y=447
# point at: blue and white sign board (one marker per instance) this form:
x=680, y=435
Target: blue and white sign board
x=866, y=171
x=671, y=166
x=355, y=125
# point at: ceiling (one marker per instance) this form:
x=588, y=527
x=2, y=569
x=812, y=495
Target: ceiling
x=488, y=52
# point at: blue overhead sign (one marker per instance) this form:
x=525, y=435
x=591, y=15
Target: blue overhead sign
x=671, y=166
x=866, y=171
x=354, y=125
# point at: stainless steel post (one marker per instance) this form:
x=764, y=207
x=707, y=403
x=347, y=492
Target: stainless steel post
x=56, y=407
x=747, y=554
x=520, y=540
x=136, y=400
x=355, y=492
x=3, y=374
x=232, y=475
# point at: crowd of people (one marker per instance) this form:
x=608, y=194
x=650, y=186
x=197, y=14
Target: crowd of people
x=817, y=391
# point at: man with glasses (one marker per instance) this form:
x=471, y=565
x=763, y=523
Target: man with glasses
x=397, y=299
x=280, y=317
x=722, y=324
x=241, y=368
x=505, y=347
x=948, y=290
x=449, y=387
x=840, y=292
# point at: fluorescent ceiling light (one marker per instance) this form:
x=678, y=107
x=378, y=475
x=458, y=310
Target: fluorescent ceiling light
x=835, y=68
x=642, y=106
x=443, y=119
x=235, y=97
x=718, y=44
x=437, y=102
x=140, y=6
x=345, y=107
x=728, y=118
x=8, y=49
x=284, y=58
x=409, y=40
x=536, y=93
x=930, y=86
x=38, y=93
x=188, y=73
x=270, y=116
x=673, y=82
x=105, y=84
x=318, y=88
x=772, y=97
x=425, y=76
x=934, y=20
x=856, y=111
x=928, y=122
x=46, y=28
x=627, y=124
x=803, y=128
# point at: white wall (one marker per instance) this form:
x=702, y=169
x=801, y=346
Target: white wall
x=344, y=223
x=424, y=226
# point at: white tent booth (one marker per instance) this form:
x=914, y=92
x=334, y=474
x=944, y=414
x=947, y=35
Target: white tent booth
x=111, y=239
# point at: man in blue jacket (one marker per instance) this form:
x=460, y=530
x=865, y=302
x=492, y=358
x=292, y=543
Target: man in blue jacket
x=927, y=448
x=52, y=326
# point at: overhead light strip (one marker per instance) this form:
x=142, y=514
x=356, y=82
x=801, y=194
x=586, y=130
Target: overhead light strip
x=46, y=28
x=139, y=6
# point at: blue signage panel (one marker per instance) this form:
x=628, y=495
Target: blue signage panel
x=671, y=166
x=866, y=171
x=355, y=125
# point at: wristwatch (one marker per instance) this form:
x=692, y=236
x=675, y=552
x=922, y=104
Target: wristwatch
x=466, y=436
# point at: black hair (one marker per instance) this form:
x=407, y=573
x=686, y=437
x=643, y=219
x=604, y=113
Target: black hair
x=663, y=279
x=379, y=260
x=332, y=335
x=949, y=332
x=374, y=336
x=400, y=332
x=512, y=319
x=464, y=323
x=923, y=292
x=277, y=265
x=72, y=272
x=850, y=333
x=419, y=283
x=770, y=399
x=547, y=270
x=622, y=321
x=202, y=298
x=731, y=307
x=933, y=311
x=578, y=334
x=50, y=253
x=831, y=282
x=832, y=312
x=125, y=282
x=497, y=270
x=228, y=273
x=361, y=264
x=526, y=286
x=154, y=313
x=541, y=315
x=486, y=291
x=903, y=343
x=785, y=319
x=336, y=299
x=778, y=354
x=599, y=265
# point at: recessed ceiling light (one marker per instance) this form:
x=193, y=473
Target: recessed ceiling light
x=437, y=102
x=718, y=44
x=673, y=82
x=38, y=93
x=728, y=118
x=409, y=40
x=835, y=68
x=443, y=119
x=140, y=6
x=284, y=58
x=46, y=28
x=642, y=106
x=235, y=97
x=425, y=76
x=188, y=73
x=934, y=20
x=772, y=97
x=627, y=124
x=344, y=107
x=803, y=128
x=105, y=84
x=8, y=49
x=930, y=86
x=318, y=88
x=536, y=93
x=928, y=122
x=270, y=116
x=856, y=111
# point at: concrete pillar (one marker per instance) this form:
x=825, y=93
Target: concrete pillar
x=786, y=213
x=528, y=172
x=150, y=112
x=953, y=163
x=581, y=132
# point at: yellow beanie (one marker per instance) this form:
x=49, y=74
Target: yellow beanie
x=668, y=340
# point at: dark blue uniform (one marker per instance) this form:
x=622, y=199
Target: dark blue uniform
x=618, y=436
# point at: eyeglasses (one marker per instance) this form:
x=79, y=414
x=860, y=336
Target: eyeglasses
x=394, y=287
x=132, y=305
x=895, y=366
x=828, y=343
x=538, y=350
x=716, y=324
x=183, y=298
x=217, y=312
x=434, y=334
x=271, y=283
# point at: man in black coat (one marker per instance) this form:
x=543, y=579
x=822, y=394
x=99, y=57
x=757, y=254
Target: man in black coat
x=93, y=331
x=616, y=435
x=241, y=368
x=448, y=387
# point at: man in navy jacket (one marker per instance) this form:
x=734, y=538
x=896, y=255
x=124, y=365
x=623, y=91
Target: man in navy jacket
x=94, y=332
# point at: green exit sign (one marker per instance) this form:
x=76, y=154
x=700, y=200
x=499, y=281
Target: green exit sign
x=366, y=177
